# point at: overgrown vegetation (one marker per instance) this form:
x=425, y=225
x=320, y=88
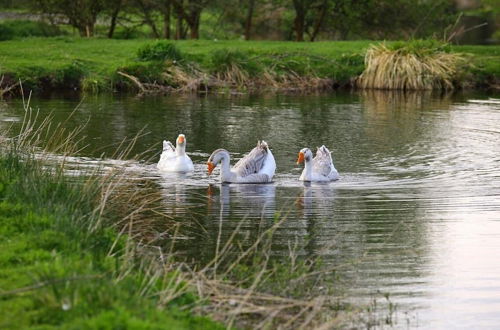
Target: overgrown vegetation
x=189, y=66
x=62, y=263
x=415, y=65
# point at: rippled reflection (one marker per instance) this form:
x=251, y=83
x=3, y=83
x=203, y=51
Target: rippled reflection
x=317, y=199
x=255, y=200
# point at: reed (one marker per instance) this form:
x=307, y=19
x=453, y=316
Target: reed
x=415, y=65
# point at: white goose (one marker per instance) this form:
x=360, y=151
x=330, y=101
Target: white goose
x=319, y=168
x=256, y=167
x=175, y=159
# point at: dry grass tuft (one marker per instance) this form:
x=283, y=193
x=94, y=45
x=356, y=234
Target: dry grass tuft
x=416, y=65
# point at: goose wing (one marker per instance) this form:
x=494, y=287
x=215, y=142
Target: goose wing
x=253, y=162
x=168, y=146
x=322, y=162
x=168, y=150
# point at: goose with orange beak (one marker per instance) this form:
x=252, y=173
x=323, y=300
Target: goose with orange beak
x=256, y=167
x=175, y=159
x=319, y=168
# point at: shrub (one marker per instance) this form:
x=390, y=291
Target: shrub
x=70, y=75
x=159, y=51
x=23, y=28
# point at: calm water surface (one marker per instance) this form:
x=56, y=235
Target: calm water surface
x=417, y=206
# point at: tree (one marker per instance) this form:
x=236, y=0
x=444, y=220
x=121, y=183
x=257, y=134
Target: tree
x=116, y=6
x=82, y=14
x=248, y=20
x=166, y=9
x=147, y=8
x=301, y=8
x=190, y=12
x=322, y=12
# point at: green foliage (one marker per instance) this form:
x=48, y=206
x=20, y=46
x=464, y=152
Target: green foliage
x=159, y=51
x=55, y=270
x=390, y=19
x=420, y=47
x=21, y=29
x=44, y=63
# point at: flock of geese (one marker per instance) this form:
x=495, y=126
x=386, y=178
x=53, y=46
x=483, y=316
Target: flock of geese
x=256, y=167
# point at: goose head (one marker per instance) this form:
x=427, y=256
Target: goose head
x=215, y=158
x=180, y=144
x=305, y=155
x=181, y=140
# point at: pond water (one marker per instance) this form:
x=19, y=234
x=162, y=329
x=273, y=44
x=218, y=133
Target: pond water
x=417, y=207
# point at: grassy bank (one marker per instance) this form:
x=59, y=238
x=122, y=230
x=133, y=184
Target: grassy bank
x=93, y=64
x=62, y=263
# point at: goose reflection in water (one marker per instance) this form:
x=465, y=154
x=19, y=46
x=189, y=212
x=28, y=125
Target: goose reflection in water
x=316, y=199
x=175, y=193
x=246, y=200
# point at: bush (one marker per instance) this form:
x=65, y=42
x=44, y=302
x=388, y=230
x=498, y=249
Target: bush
x=159, y=51
x=22, y=28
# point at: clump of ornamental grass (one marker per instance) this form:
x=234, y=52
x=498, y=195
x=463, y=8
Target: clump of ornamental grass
x=414, y=65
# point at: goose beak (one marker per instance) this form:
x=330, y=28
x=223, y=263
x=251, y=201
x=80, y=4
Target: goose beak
x=301, y=158
x=211, y=167
x=180, y=139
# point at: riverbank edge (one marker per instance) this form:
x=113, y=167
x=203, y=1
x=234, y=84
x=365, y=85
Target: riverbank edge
x=98, y=65
x=60, y=268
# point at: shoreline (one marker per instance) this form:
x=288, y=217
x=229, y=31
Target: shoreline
x=100, y=65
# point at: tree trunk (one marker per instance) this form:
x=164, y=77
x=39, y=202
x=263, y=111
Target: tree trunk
x=299, y=27
x=299, y=22
x=86, y=28
x=194, y=30
x=179, y=16
x=114, y=16
x=320, y=20
x=248, y=22
x=166, y=19
x=194, y=24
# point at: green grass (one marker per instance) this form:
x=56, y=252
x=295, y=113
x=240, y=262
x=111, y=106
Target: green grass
x=68, y=63
x=56, y=272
